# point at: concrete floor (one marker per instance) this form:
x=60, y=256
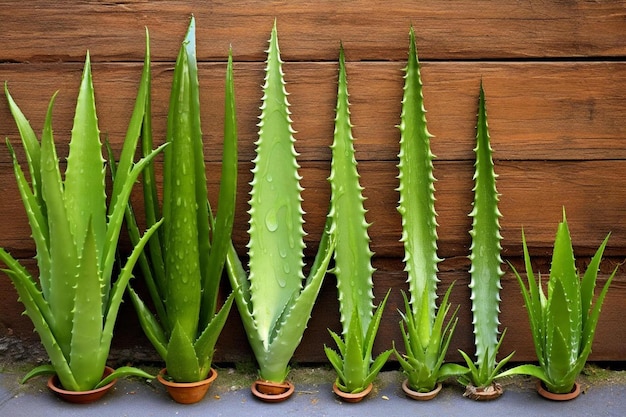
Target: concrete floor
x=230, y=396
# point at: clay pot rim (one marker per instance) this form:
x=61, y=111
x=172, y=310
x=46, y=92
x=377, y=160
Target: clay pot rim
x=272, y=398
x=208, y=380
x=479, y=394
x=187, y=392
x=54, y=384
x=543, y=391
x=421, y=396
x=350, y=397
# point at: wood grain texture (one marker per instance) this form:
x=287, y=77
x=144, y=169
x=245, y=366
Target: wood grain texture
x=533, y=194
x=555, y=80
x=537, y=111
x=39, y=30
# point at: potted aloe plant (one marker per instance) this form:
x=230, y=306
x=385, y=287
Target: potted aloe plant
x=183, y=264
x=563, y=320
x=485, y=271
x=75, y=301
x=353, y=362
x=426, y=333
x=274, y=300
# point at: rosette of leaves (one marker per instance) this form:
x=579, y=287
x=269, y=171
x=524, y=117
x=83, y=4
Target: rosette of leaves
x=74, y=303
x=485, y=269
x=274, y=299
x=183, y=264
x=353, y=361
x=563, y=320
x=426, y=333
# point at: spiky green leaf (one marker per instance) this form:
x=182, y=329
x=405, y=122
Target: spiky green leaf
x=353, y=267
x=417, y=201
x=485, y=269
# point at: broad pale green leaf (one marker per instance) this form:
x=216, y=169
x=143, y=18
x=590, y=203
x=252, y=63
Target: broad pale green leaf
x=85, y=198
x=276, y=234
x=564, y=302
x=181, y=362
x=87, y=319
x=272, y=301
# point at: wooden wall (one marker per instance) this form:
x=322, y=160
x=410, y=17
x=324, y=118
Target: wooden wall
x=555, y=80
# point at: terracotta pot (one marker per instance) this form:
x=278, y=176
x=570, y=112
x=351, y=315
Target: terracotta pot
x=187, y=392
x=349, y=397
x=81, y=397
x=420, y=396
x=488, y=393
x=272, y=392
x=543, y=391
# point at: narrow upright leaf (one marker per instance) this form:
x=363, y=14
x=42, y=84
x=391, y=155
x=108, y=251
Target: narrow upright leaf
x=417, y=201
x=353, y=267
x=485, y=249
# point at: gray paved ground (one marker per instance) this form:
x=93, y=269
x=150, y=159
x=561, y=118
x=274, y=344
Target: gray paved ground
x=230, y=396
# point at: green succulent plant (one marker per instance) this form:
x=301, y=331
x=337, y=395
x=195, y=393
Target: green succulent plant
x=426, y=334
x=74, y=303
x=486, y=262
x=274, y=299
x=563, y=321
x=183, y=264
x=354, y=364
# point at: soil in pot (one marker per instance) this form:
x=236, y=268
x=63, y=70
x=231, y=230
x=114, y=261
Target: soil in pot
x=420, y=396
x=488, y=393
x=272, y=392
x=543, y=391
x=187, y=392
x=349, y=397
x=81, y=397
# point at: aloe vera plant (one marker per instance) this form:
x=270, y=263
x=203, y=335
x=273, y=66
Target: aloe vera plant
x=183, y=264
x=353, y=362
x=425, y=332
x=274, y=300
x=563, y=321
x=74, y=303
x=486, y=263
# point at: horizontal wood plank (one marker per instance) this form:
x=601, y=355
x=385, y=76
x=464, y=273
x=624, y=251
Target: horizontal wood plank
x=536, y=111
x=462, y=29
x=532, y=196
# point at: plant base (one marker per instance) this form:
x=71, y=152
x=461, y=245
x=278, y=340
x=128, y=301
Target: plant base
x=487, y=393
x=420, y=396
x=81, y=397
x=349, y=397
x=272, y=392
x=543, y=391
x=187, y=392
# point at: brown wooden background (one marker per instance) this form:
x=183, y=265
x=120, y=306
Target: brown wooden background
x=555, y=80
